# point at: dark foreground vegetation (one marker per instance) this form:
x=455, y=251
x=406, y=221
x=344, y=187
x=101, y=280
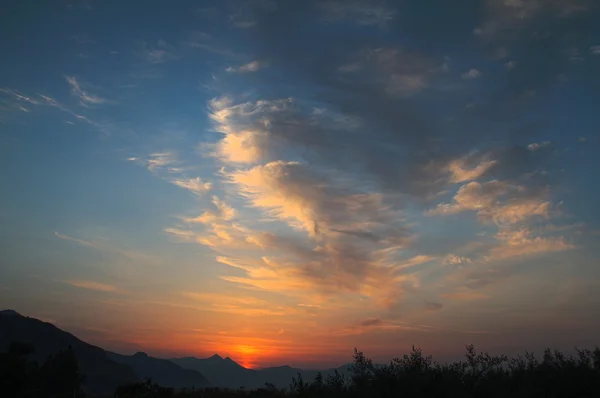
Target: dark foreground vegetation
x=552, y=375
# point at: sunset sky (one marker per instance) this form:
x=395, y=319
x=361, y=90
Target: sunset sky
x=283, y=181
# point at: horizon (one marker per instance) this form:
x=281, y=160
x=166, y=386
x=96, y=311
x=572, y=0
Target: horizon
x=572, y=350
x=279, y=182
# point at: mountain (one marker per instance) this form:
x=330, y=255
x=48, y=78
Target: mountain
x=161, y=371
x=222, y=372
x=106, y=370
x=103, y=374
x=226, y=373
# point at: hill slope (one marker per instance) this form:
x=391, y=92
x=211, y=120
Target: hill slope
x=161, y=371
x=222, y=372
x=103, y=375
x=226, y=373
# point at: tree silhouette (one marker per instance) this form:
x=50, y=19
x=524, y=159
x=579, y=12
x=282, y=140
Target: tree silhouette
x=551, y=375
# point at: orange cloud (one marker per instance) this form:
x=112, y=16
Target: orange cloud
x=461, y=172
x=518, y=243
x=91, y=285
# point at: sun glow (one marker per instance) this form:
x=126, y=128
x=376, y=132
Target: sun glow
x=246, y=355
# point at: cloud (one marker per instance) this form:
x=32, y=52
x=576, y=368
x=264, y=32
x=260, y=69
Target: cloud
x=453, y=259
x=595, y=50
x=206, y=42
x=342, y=195
x=90, y=285
x=515, y=15
x=471, y=74
x=362, y=12
x=400, y=72
x=160, y=160
x=535, y=145
x=255, y=131
x=309, y=200
x=246, y=14
x=371, y=325
x=242, y=143
x=497, y=201
x=20, y=97
x=79, y=241
x=350, y=242
x=432, y=306
x=523, y=242
x=158, y=53
x=196, y=185
x=330, y=161
x=461, y=171
x=181, y=234
x=253, y=66
x=464, y=294
x=85, y=97
x=222, y=212
x=17, y=102
x=105, y=246
x=240, y=305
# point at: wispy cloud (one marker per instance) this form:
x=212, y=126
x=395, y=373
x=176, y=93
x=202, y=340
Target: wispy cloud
x=534, y=146
x=497, y=201
x=25, y=103
x=362, y=12
x=471, y=74
x=195, y=185
x=104, y=245
x=371, y=325
x=84, y=96
x=96, y=286
x=240, y=305
x=253, y=66
x=523, y=242
x=206, y=42
x=453, y=259
x=181, y=235
x=462, y=171
x=161, y=160
x=511, y=16
x=246, y=14
x=222, y=211
x=157, y=53
x=464, y=294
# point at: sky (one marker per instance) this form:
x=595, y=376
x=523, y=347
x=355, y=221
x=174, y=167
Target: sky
x=283, y=181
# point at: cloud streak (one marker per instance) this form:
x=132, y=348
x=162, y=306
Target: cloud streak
x=95, y=286
x=84, y=96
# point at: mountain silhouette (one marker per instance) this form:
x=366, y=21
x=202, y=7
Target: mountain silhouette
x=105, y=370
x=226, y=373
x=221, y=372
x=102, y=374
x=161, y=371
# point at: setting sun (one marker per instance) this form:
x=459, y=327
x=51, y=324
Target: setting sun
x=246, y=355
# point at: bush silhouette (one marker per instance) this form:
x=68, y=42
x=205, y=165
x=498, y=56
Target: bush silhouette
x=57, y=377
x=551, y=375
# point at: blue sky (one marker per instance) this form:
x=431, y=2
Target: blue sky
x=281, y=181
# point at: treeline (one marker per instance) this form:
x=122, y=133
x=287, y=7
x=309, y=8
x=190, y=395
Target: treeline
x=552, y=375
x=57, y=377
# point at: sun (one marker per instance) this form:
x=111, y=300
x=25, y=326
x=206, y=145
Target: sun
x=246, y=354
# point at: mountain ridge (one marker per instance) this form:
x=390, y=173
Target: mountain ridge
x=102, y=373
x=162, y=371
x=190, y=371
